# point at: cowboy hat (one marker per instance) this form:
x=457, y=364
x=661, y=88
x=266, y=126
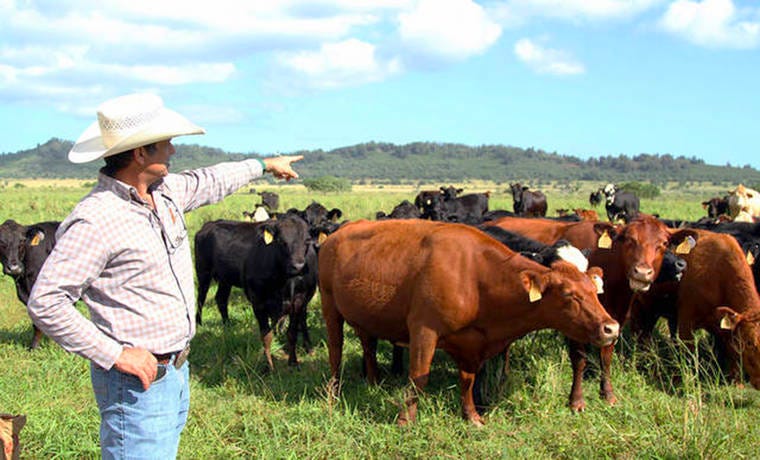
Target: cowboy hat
x=128, y=122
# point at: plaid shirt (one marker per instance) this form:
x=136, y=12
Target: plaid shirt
x=131, y=265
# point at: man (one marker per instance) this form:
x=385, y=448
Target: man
x=124, y=251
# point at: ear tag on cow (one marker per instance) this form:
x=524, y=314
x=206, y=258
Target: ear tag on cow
x=604, y=242
x=686, y=245
x=268, y=238
x=599, y=283
x=321, y=238
x=36, y=240
x=534, y=294
x=750, y=258
x=726, y=323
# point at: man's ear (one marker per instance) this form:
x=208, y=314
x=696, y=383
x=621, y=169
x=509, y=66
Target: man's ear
x=139, y=154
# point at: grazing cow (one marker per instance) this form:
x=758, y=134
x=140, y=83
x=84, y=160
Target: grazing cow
x=270, y=200
x=527, y=203
x=403, y=210
x=717, y=294
x=449, y=286
x=716, y=207
x=631, y=257
x=23, y=251
x=259, y=257
x=743, y=200
x=619, y=204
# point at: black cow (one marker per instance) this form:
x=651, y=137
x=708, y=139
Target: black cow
x=23, y=251
x=403, y=210
x=526, y=202
x=261, y=258
x=619, y=204
x=716, y=206
x=270, y=200
x=424, y=201
x=467, y=209
x=595, y=198
x=315, y=214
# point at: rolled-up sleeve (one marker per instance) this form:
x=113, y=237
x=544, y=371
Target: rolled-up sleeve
x=203, y=186
x=78, y=258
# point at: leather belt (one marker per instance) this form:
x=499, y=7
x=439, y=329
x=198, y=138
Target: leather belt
x=179, y=357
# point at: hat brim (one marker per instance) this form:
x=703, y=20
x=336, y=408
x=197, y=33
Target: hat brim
x=168, y=124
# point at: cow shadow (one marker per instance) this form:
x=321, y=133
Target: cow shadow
x=18, y=335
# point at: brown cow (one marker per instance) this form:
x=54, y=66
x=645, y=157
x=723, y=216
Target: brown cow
x=631, y=257
x=587, y=214
x=717, y=293
x=432, y=284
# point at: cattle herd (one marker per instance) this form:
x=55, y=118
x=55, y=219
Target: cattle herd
x=447, y=272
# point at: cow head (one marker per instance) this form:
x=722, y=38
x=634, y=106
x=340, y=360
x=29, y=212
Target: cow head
x=746, y=338
x=450, y=192
x=13, y=237
x=641, y=246
x=290, y=236
x=570, y=298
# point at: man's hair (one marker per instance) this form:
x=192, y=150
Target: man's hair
x=116, y=163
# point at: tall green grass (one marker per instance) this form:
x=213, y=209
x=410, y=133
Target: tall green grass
x=673, y=403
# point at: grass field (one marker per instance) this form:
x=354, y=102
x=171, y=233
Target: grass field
x=672, y=404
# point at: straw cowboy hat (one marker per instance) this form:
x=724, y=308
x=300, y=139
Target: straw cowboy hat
x=127, y=122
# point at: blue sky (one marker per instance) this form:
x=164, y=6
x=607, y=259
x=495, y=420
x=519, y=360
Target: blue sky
x=579, y=77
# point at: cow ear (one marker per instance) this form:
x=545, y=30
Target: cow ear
x=606, y=232
x=268, y=232
x=683, y=241
x=729, y=319
x=34, y=236
x=334, y=214
x=534, y=284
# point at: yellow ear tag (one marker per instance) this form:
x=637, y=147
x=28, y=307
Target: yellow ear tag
x=725, y=323
x=599, y=284
x=268, y=238
x=750, y=258
x=534, y=293
x=35, y=241
x=604, y=242
x=322, y=237
x=685, y=246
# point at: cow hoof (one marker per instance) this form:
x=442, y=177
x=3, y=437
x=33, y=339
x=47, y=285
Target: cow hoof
x=577, y=406
x=477, y=422
x=610, y=398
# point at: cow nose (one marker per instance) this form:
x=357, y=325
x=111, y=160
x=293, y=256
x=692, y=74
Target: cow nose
x=610, y=332
x=680, y=265
x=13, y=269
x=643, y=272
x=297, y=267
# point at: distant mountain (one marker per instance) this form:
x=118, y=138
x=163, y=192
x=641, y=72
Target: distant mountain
x=419, y=161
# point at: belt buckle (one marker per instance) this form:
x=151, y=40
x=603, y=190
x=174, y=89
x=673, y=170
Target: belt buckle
x=181, y=357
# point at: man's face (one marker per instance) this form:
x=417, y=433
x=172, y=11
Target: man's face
x=157, y=159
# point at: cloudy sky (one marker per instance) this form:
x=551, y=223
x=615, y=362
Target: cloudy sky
x=579, y=77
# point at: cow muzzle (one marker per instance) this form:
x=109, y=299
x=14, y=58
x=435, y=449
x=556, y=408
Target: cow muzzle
x=13, y=269
x=609, y=333
x=641, y=278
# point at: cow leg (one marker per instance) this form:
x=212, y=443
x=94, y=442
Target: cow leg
x=605, y=384
x=397, y=362
x=334, y=328
x=293, y=324
x=266, y=334
x=422, y=344
x=578, y=360
x=36, y=337
x=204, y=282
x=369, y=345
x=222, y=299
x=304, y=328
x=466, y=383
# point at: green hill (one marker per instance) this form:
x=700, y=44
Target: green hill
x=419, y=161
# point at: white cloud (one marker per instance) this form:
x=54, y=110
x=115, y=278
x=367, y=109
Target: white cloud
x=546, y=60
x=448, y=28
x=345, y=63
x=712, y=23
x=517, y=11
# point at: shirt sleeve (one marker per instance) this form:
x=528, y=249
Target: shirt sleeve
x=78, y=258
x=203, y=186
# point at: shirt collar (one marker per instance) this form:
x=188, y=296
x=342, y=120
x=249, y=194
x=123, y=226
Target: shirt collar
x=123, y=190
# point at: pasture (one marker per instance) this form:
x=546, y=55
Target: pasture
x=672, y=404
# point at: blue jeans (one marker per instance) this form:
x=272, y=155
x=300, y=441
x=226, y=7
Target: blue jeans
x=135, y=423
